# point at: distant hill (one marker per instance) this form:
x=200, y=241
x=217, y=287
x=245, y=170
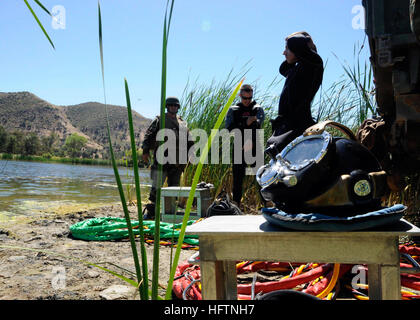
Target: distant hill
x=26, y=112
x=90, y=119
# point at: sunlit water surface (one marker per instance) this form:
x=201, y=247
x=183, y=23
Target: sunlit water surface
x=27, y=188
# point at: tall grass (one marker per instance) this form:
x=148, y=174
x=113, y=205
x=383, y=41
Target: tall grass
x=351, y=98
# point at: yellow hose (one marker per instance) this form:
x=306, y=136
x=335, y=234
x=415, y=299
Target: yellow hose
x=332, y=283
x=359, y=297
x=299, y=271
x=366, y=287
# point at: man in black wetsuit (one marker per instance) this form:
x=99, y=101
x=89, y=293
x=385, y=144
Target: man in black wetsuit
x=303, y=69
x=247, y=114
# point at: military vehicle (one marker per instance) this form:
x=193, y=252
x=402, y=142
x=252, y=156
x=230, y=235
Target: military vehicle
x=393, y=30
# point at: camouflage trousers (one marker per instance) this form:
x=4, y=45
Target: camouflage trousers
x=170, y=172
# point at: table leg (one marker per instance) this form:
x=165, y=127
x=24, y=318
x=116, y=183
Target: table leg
x=199, y=215
x=218, y=280
x=384, y=282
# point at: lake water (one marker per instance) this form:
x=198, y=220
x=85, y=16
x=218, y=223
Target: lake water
x=28, y=188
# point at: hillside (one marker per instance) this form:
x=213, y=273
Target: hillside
x=90, y=119
x=26, y=112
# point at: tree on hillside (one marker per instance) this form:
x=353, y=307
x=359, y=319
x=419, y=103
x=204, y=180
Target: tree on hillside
x=3, y=139
x=15, y=142
x=48, y=143
x=32, y=145
x=74, y=144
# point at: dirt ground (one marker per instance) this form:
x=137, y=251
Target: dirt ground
x=39, y=271
x=33, y=274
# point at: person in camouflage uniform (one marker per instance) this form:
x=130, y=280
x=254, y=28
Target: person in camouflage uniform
x=171, y=171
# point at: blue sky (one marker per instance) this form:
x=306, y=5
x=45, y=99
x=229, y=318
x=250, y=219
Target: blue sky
x=207, y=39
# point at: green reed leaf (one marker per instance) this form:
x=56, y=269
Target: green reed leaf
x=114, y=166
x=42, y=7
x=138, y=195
x=166, y=27
x=39, y=22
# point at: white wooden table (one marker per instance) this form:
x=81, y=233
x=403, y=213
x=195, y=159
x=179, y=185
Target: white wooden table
x=224, y=240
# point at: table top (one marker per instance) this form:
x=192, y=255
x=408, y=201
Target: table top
x=258, y=225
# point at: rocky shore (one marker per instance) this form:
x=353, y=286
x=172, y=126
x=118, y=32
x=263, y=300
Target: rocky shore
x=48, y=265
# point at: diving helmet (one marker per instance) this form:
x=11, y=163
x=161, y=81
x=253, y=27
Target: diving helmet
x=322, y=171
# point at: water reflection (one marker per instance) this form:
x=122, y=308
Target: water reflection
x=31, y=187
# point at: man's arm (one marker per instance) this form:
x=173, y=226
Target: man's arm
x=230, y=121
x=149, y=140
x=257, y=120
x=260, y=116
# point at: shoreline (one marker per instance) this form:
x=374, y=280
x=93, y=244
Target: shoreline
x=66, y=160
x=34, y=274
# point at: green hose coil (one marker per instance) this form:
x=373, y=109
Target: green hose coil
x=111, y=228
